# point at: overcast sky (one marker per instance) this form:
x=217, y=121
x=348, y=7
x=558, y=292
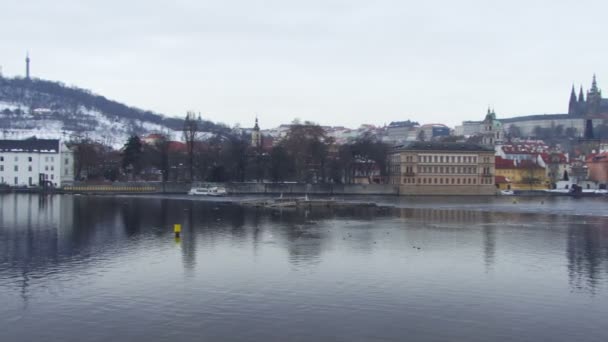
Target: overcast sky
x=333, y=62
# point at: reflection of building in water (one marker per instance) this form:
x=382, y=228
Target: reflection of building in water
x=587, y=254
x=35, y=232
x=442, y=215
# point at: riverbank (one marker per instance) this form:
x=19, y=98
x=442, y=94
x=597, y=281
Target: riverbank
x=272, y=189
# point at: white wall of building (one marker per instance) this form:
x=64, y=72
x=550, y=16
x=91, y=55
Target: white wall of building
x=24, y=168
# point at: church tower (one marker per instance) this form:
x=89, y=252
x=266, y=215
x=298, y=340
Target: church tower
x=27, y=65
x=256, y=135
x=573, y=104
x=594, y=98
x=492, y=130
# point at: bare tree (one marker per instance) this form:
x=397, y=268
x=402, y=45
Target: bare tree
x=190, y=131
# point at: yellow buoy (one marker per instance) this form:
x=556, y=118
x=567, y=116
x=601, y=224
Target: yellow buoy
x=177, y=229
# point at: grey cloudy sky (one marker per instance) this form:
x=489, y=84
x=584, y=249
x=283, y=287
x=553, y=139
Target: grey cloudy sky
x=333, y=62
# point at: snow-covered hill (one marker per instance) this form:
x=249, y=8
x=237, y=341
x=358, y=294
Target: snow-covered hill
x=52, y=110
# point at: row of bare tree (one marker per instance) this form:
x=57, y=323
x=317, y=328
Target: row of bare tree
x=305, y=154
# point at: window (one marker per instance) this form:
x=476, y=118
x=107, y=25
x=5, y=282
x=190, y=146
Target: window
x=52, y=168
x=16, y=168
x=52, y=159
x=67, y=161
x=52, y=176
x=16, y=180
x=16, y=158
x=29, y=168
x=30, y=181
x=1, y=167
x=29, y=159
x=1, y=158
x=46, y=168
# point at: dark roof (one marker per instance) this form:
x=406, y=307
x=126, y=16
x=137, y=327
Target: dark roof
x=30, y=145
x=444, y=146
x=407, y=123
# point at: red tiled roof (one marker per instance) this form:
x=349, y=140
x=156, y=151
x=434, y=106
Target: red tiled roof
x=547, y=157
x=501, y=180
x=598, y=158
x=177, y=146
x=501, y=163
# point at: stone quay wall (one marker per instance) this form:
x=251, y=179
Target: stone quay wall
x=235, y=188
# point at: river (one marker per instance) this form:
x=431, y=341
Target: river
x=103, y=268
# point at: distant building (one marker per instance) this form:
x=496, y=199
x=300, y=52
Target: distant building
x=32, y=162
x=433, y=168
x=492, y=133
x=598, y=168
x=27, y=66
x=433, y=131
x=402, y=131
x=583, y=114
x=523, y=174
x=256, y=135
x=469, y=128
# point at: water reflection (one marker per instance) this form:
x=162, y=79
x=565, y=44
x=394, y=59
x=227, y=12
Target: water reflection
x=41, y=236
x=587, y=252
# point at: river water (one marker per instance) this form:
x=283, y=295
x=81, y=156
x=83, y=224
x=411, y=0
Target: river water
x=96, y=268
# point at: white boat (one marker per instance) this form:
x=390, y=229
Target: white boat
x=211, y=191
x=507, y=192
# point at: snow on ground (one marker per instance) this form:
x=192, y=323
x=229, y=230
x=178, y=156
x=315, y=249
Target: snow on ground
x=96, y=126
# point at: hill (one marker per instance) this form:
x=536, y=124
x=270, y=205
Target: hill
x=47, y=109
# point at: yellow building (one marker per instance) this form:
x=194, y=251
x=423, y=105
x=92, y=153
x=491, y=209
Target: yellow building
x=433, y=168
x=523, y=175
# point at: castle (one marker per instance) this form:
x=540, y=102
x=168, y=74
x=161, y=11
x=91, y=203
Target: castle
x=594, y=105
x=584, y=113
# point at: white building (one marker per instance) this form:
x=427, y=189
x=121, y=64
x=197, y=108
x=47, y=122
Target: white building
x=28, y=162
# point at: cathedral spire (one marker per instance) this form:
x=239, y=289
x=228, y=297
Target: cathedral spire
x=581, y=96
x=573, y=104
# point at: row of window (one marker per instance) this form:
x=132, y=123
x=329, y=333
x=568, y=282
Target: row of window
x=29, y=168
x=30, y=159
x=448, y=169
x=446, y=159
x=445, y=181
x=30, y=179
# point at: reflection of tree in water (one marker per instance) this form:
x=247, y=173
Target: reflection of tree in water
x=188, y=241
x=489, y=240
x=587, y=254
x=132, y=215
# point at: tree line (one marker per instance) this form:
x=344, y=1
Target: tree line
x=305, y=154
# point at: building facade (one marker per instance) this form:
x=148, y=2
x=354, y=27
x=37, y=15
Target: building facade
x=598, y=168
x=433, y=168
x=492, y=130
x=523, y=174
x=35, y=162
x=256, y=135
